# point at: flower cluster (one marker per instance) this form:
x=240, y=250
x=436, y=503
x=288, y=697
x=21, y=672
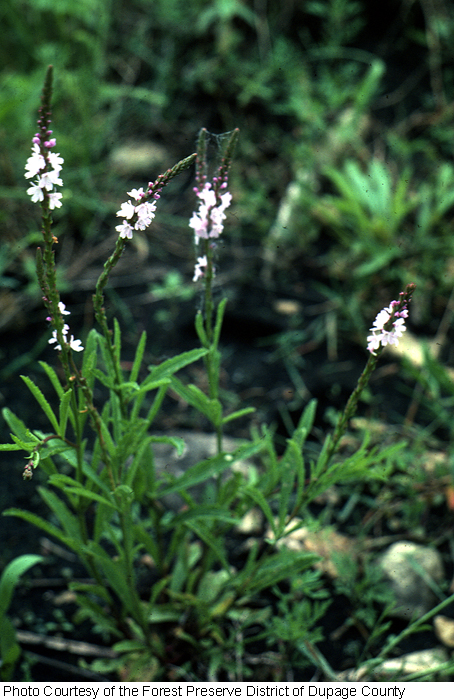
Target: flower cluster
x=394, y=318
x=207, y=222
x=46, y=167
x=200, y=268
x=74, y=344
x=136, y=216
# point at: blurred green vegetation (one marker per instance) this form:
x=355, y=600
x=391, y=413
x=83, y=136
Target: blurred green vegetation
x=346, y=126
x=346, y=118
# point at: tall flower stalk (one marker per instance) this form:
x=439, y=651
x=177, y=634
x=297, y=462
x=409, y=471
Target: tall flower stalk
x=387, y=328
x=207, y=224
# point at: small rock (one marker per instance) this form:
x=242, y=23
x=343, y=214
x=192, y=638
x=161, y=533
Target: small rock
x=416, y=662
x=197, y=447
x=444, y=629
x=408, y=566
x=326, y=543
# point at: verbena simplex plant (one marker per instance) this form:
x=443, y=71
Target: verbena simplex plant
x=99, y=459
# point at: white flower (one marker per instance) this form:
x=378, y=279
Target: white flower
x=35, y=163
x=56, y=160
x=36, y=193
x=145, y=213
x=54, y=200
x=199, y=270
x=125, y=230
x=74, y=344
x=127, y=210
x=387, y=337
x=136, y=194
x=62, y=308
x=48, y=179
x=207, y=222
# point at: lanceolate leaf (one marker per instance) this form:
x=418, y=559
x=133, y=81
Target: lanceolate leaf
x=11, y=575
x=65, y=411
x=39, y=396
x=169, y=367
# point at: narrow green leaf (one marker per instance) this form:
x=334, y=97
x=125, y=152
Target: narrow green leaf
x=90, y=356
x=138, y=357
x=10, y=447
x=117, y=340
x=10, y=650
x=65, y=411
x=105, y=379
x=69, y=485
x=11, y=575
x=201, y=330
x=195, y=397
x=261, y=501
x=67, y=520
x=284, y=565
x=238, y=414
x=172, y=365
x=156, y=405
x=39, y=396
x=26, y=446
x=206, y=536
x=218, y=325
x=114, y=571
x=173, y=440
x=93, y=476
x=198, y=473
x=51, y=373
x=204, y=513
x=287, y=483
x=42, y=524
x=15, y=424
x=109, y=443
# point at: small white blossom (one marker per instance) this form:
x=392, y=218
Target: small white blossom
x=36, y=193
x=35, y=163
x=56, y=161
x=74, y=344
x=207, y=222
x=136, y=194
x=125, y=230
x=144, y=213
x=54, y=200
x=62, y=308
x=199, y=269
x=387, y=337
x=127, y=210
x=47, y=179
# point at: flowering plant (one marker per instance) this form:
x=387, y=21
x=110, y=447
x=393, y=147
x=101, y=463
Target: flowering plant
x=108, y=500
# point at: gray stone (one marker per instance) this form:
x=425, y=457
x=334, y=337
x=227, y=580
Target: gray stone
x=198, y=447
x=410, y=567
